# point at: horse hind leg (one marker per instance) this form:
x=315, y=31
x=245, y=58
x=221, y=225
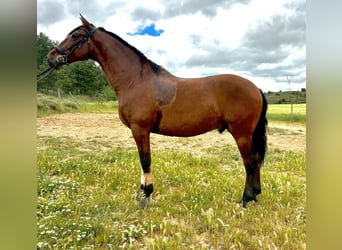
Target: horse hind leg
x=253, y=153
x=252, y=186
x=252, y=144
x=252, y=166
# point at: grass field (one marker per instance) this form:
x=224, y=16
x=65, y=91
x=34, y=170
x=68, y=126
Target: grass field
x=86, y=196
x=282, y=112
x=48, y=105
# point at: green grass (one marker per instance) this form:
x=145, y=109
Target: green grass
x=86, y=197
x=86, y=200
x=48, y=105
x=282, y=112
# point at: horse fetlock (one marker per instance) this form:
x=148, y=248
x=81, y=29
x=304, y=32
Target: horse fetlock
x=148, y=189
x=257, y=190
x=146, y=179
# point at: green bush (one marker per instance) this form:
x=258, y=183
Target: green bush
x=108, y=94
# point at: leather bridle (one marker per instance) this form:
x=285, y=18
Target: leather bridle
x=64, y=54
x=63, y=57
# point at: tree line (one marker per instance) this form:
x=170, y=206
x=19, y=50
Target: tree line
x=82, y=78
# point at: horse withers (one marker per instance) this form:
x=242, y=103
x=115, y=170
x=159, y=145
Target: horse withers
x=152, y=100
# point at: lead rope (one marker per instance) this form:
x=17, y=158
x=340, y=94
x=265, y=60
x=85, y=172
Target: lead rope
x=44, y=74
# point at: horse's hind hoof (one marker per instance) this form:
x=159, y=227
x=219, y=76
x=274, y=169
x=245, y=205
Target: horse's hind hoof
x=247, y=198
x=244, y=203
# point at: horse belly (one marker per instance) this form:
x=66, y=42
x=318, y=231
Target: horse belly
x=184, y=124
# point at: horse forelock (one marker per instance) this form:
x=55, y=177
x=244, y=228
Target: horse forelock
x=77, y=28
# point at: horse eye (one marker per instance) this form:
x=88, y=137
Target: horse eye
x=75, y=36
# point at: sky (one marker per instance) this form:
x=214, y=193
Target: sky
x=261, y=40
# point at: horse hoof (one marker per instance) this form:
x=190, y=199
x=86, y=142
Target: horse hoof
x=143, y=200
x=244, y=201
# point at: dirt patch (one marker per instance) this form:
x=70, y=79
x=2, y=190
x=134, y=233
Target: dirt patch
x=108, y=129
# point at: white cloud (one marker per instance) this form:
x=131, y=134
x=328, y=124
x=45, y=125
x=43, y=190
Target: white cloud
x=259, y=39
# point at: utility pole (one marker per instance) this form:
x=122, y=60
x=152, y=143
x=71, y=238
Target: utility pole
x=289, y=80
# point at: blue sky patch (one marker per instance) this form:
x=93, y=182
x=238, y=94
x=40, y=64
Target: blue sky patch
x=149, y=30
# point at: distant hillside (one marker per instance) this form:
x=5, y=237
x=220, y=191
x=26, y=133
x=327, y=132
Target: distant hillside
x=286, y=97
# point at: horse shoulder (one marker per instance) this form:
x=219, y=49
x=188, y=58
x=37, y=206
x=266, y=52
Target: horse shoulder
x=164, y=90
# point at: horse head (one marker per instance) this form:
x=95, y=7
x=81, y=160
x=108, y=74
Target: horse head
x=75, y=47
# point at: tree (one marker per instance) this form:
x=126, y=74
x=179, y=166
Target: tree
x=44, y=44
x=86, y=78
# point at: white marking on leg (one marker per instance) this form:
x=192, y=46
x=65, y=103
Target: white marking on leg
x=146, y=179
x=142, y=179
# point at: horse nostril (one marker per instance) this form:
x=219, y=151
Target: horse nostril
x=53, y=64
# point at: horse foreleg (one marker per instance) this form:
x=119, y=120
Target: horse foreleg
x=146, y=187
x=142, y=139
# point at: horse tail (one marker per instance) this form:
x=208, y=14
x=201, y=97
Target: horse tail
x=259, y=137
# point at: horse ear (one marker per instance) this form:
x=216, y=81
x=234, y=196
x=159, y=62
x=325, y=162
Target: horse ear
x=85, y=22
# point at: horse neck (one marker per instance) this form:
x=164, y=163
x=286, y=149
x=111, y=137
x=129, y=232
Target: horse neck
x=121, y=65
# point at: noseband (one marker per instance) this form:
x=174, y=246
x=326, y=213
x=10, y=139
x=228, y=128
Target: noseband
x=64, y=54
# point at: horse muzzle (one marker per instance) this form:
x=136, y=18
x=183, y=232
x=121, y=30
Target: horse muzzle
x=57, y=62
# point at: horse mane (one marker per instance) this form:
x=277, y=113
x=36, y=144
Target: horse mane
x=143, y=59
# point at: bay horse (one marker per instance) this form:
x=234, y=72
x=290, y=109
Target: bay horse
x=152, y=100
